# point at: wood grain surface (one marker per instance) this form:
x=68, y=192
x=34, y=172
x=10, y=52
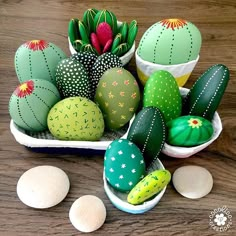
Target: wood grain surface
x=25, y=20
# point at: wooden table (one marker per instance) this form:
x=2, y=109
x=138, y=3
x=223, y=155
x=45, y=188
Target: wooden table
x=25, y=20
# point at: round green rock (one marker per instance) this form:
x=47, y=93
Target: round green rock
x=76, y=118
x=124, y=165
x=188, y=131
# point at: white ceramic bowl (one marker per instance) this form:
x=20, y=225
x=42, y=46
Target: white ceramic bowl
x=184, y=152
x=124, y=59
x=119, y=199
x=180, y=71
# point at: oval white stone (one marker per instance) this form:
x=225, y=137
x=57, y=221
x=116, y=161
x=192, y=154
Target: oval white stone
x=43, y=186
x=192, y=181
x=87, y=213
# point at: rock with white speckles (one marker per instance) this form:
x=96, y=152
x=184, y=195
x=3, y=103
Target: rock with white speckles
x=161, y=90
x=148, y=132
x=205, y=95
x=37, y=59
x=124, y=165
x=72, y=79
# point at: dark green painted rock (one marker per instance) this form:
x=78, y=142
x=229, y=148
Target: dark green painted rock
x=124, y=165
x=72, y=79
x=148, y=132
x=161, y=90
x=188, y=131
x=205, y=95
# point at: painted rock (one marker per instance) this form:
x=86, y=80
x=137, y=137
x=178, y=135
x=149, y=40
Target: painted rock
x=170, y=42
x=108, y=17
x=43, y=187
x=188, y=131
x=30, y=103
x=103, y=63
x=76, y=118
x=152, y=184
x=87, y=59
x=104, y=33
x=123, y=164
x=88, y=19
x=37, y=59
x=192, y=181
x=118, y=97
x=162, y=91
x=72, y=79
x=205, y=95
x=87, y=213
x=148, y=132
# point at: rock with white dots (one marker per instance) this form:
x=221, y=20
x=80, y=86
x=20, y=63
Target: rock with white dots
x=87, y=59
x=72, y=79
x=37, y=59
x=124, y=165
x=205, y=95
x=31, y=102
x=103, y=63
x=43, y=187
x=118, y=97
x=76, y=118
x=162, y=91
x=143, y=132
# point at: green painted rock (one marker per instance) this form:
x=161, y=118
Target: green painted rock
x=149, y=186
x=161, y=90
x=103, y=63
x=118, y=97
x=37, y=59
x=108, y=17
x=188, y=131
x=148, y=132
x=87, y=59
x=88, y=19
x=169, y=42
x=30, y=103
x=123, y=165
x=205, y=95
x=72, y=79
x=76, y=118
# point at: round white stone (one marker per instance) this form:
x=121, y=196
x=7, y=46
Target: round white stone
x=87, y=213
x=192, y=181
x=43, y=186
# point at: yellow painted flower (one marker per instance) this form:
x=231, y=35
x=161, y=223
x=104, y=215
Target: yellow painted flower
x=195, y=123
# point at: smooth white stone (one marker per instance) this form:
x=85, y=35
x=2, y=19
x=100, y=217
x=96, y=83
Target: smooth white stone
x=192, y=181
x=43, y=186
x=87, y=213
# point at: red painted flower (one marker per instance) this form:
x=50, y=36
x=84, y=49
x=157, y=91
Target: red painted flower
x=36, y=45
x=173, y=23
x=194, y=123
x=24, y=89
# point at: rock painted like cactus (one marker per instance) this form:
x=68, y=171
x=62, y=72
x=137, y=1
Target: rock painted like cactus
x=37, y=59
x=169, y=42
x=30, y=103
x=205, y=95
x=99, y=32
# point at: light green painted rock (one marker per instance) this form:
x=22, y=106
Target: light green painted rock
x=161, y=90
x=76, y=118
x=169, y=42
x=30, y=103
x=118, y=97
x=37, y=59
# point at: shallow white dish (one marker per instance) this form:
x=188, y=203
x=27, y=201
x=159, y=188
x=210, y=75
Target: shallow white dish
x=118, y=199
x=184, y=152
x=124, y=59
